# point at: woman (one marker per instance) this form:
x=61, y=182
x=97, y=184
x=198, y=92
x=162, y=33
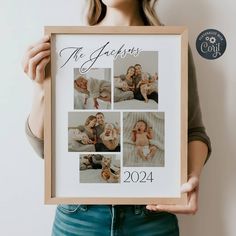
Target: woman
x=124, y=86
x=89, y=129
x=129, y=78
x=83, y=137
x=121, y=220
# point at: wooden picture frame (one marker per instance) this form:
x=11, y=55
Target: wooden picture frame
x=138, y=155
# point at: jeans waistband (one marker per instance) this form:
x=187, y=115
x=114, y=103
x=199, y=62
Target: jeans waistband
x=137, y=209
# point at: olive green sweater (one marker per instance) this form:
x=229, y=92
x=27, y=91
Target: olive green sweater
x=196, y=129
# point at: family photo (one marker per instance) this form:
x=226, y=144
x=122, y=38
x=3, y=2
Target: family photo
x=143, y=139
x=136, y=81
x=94, y=132
x=93, y=89
x=96, y=168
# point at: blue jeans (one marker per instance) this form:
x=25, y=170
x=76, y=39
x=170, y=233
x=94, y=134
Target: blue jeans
x=107, y=220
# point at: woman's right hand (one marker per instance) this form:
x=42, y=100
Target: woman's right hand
x=34, y=62
x=36, y=58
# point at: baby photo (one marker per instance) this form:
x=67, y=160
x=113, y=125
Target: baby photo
x=96, y=168
x=93, y=89
x=136, y=81
x=94, y=132
x=143, y=139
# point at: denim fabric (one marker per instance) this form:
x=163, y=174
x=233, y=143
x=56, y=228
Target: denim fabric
x=107, y=220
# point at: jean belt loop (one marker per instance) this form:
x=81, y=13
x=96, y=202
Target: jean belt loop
x=137, y=209
x=83, y=207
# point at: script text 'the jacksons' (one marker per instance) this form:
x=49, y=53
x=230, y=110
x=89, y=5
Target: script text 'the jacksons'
x=78, y=54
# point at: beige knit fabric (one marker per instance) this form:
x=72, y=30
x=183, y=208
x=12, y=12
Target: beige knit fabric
x=157, y=122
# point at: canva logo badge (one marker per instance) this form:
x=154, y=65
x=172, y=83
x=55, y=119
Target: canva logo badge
x=211, y=44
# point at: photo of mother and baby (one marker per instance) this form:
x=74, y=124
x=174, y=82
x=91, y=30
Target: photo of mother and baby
x=94, y=133
x=136, y=88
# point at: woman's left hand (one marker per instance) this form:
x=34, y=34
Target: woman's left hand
x=192, y=189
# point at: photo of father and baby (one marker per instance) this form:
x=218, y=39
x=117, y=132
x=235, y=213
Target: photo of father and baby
x=94, y=132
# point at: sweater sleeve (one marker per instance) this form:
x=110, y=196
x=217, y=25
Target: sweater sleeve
x=118, y=81
x=94, y=87
x=196, y=129
x=36, y=143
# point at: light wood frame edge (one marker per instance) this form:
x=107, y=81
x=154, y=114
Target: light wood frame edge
x=184, y=111
x=49, y=172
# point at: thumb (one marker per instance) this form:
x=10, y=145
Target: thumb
x=192, y=183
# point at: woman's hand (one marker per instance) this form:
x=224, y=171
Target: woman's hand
x=192, y=189
x=34, y=62
x=36, y=58
x=197, y=154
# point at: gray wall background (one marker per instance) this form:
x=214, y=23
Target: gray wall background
x=79, y=118
x=22, y=211
x=148, y=61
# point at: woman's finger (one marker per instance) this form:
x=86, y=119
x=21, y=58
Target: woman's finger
x=38, y=48
x=190, y=208
x=33, y=52
x=152, y=207
x=41, y=45
x=178, y=209
x=192, y=183
x=40, y=70
x=44, y=39
x=34, y=62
